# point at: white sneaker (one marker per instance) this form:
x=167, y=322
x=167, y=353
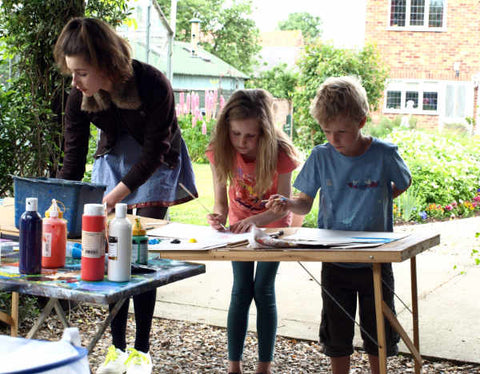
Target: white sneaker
x=138, y=362
x=114, y=362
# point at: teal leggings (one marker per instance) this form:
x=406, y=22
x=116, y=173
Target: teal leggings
x=247, y=286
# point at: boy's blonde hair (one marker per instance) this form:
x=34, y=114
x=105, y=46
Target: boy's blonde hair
x=246, y=104
x=340, y=97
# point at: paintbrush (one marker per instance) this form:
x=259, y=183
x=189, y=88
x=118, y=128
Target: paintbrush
x=198, y=201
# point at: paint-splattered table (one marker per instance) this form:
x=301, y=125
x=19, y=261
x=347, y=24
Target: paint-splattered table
x=65, y=283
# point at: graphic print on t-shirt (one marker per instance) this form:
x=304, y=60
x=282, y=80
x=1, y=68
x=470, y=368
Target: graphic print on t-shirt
x=245, y=194
x=367, y=183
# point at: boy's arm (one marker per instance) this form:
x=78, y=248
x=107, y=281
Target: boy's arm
x=301, y=204
x=397, y=192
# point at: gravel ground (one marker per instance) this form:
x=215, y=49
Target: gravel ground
x=182, y=347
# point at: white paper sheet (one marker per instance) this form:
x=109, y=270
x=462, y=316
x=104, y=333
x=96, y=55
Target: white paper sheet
x=205, y=237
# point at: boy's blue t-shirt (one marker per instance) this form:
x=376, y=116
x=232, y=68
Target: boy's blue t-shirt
x=355, y=192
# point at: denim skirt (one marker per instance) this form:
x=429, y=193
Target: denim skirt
x=161, y=189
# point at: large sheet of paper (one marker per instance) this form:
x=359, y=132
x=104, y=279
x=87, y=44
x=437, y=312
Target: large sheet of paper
x=183, y=236
x=321, y=238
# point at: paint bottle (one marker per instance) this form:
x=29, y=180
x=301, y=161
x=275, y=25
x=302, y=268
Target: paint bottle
x=54, y=237
x=119, y=245
x=30, y=245
x=139, y=244
x=93, y=243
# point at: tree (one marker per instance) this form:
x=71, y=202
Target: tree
x=31, y=114
x=321, y=61
x=309, y=25
x=279, y=81
x=228, y=33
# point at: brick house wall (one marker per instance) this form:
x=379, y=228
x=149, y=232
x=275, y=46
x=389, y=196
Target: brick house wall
x=430, y=55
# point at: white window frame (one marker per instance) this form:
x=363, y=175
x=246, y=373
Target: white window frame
x=411, y=85
x=425, y=26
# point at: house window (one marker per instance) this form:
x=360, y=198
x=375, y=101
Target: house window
x=394, y=99
x=411, y=97
x=417, y=14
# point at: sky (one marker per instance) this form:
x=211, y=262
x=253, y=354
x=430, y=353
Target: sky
x=343, y=21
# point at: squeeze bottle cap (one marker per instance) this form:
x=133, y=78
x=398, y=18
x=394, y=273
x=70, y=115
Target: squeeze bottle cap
x=31, y=204
x=53, y=211
x=138, y=229
x=94, y=210
x=120, y=210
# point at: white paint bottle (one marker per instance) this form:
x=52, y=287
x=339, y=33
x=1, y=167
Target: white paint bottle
x=119, y=246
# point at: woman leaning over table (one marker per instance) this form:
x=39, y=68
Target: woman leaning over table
x=141, y=156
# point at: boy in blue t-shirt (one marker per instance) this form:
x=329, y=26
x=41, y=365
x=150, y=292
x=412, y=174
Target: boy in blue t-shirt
x=358, y=177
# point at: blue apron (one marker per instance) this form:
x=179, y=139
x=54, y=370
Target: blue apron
x=161, y=189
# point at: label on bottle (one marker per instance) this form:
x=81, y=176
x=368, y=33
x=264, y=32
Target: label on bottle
x=47, y=244
x=140, y=250
x=93, y=244
x=112, y=247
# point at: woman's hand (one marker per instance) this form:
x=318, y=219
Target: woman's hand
x=116, y=195
x=217, y=221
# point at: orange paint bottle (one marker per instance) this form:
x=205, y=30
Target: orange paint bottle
x=54, y=242
x=93, y=243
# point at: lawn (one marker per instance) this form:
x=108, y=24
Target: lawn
x=193, y=212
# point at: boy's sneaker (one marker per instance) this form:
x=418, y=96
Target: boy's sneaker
x=138, y=362
x=114, y=362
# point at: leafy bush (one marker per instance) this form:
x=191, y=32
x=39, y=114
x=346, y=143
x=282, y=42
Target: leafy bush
x=196, y=136
x=321, y=61
x=445, y=170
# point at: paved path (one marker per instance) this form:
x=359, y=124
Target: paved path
x=448, y=291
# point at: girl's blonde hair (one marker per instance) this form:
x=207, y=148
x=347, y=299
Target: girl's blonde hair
x=340, y=96
x=98, y=43
x=247, y=104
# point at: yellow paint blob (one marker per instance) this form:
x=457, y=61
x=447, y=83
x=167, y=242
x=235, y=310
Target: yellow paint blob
x=192, y=240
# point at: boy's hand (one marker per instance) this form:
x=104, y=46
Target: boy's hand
x=278, y=204
x=217, y=221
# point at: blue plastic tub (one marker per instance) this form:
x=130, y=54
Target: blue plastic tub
x=72, y=194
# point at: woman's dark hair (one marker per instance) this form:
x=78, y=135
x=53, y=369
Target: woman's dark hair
x=98, y=43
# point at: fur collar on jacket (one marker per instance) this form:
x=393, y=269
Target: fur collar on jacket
x=124, y=96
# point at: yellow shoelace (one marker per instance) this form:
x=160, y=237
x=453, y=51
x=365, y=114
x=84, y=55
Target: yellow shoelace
x=136, y=357
x=111, y=354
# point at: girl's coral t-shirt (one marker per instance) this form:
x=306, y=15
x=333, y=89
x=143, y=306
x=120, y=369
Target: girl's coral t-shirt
x=243, y=201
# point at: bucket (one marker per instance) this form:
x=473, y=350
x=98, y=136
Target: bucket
x=73, y=194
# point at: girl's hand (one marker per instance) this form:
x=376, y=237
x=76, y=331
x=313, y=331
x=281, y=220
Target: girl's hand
x=217, y=221
x=241, y=226
x=278, y=204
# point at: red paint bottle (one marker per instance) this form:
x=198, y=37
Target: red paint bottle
x=93, y=242
x=54, y=238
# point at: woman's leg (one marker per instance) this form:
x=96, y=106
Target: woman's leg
x=144, y=305
x=118, y=326
x=237, y=321
x=265, y=301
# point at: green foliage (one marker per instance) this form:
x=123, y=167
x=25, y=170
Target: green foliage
x=196, y=136
x=406, y=205
x=310, y=26
x=445, y=170
x=230, y=33
x=279, y=81
x=31, y=115
x=28, y=307
x=321, y=61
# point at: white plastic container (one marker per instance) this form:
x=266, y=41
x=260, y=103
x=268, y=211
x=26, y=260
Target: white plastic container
x=119, y=246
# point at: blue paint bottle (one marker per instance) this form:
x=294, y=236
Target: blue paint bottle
x=30, y=245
